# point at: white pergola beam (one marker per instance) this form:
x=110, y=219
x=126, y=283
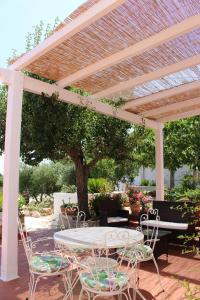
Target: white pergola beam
x=161, y=95
x=125, y=85
x=174, y=117
x=37, y=86
x=134, y=50
x=93, y=14
x=5, y=75
x=9, y=255
x=171, y=107
x=159, y=163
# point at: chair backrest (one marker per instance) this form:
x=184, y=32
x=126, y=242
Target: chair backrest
x=110, y=206
x=174, y=211
x=150, y=230
x=103, y=268
x=81, y=220
x=69, y=218
x=26, y=240
x=64, y=222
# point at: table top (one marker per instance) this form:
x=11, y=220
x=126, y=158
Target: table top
x=89, y=237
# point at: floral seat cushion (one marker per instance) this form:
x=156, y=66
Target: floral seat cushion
x=140, y=252
x=104, y=281
x=48, y=263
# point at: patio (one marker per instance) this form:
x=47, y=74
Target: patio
x=178, y=267
x=153, y=65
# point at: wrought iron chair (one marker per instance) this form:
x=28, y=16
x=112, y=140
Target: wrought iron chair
x=100, y=279
x=81, y=220
x=144, y=252
x=44, y=263
x=73, y=219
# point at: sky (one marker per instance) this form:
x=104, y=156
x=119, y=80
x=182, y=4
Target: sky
x=17, y=18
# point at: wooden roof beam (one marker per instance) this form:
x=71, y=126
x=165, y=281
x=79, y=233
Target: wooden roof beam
x=183, y=115
x=171, y=107
x=134, y=50
x=88, y=17
x=125, y=85
x=37, y=86
x=161, y=95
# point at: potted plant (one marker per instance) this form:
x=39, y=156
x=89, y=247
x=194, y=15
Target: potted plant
x=68, y=208
x=137, y=201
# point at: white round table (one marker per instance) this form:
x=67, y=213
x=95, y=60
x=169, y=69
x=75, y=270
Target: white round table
x=91, y=237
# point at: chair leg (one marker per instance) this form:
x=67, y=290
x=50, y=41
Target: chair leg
x=140, y=295
x=157, y=269
x=32, y=287
x=127, y=298
x=68, y=287
x=80, y=295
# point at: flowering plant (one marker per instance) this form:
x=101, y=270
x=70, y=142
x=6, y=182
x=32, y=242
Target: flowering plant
x=137, y=197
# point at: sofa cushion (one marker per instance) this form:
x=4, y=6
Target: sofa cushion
x=116, y=220
x=166, y=225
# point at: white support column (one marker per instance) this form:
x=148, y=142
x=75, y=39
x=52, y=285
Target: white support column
x=9, y=256
x=159, y=163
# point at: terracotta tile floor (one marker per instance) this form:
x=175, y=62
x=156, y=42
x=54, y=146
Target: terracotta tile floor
x=178, y=267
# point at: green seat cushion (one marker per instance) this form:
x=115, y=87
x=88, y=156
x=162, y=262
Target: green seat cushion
x=48, y=263
x=140, y=252
x=104, y=281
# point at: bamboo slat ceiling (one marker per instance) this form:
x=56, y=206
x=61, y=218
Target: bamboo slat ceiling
x=130, y=23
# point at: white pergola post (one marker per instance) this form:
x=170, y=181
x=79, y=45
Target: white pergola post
x=9, y=256
x=159, y=163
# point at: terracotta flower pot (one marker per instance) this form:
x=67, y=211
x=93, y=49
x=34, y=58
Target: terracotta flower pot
x=135, y=208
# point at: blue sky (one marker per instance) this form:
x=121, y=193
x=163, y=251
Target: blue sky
x=17, y=18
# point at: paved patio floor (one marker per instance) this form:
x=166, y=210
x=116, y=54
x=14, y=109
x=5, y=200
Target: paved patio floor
x=178, y=267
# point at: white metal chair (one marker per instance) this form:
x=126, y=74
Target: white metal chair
x=45, y=262
x=74, y=219
x=144, y=252
x=103, y=280
x=81, y=220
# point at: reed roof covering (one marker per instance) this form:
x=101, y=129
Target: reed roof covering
x=131, y=22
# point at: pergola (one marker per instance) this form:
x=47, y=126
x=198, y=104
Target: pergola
x=146, y=52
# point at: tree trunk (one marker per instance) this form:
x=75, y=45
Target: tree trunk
x=172, y=178
x=82, y=185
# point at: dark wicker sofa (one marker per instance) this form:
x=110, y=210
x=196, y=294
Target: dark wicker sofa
x=110, y=214
x=176, y=216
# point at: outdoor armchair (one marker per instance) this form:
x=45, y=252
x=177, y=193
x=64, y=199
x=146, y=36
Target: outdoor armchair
x=110, y=214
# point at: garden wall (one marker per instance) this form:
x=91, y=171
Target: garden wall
x=58, y=201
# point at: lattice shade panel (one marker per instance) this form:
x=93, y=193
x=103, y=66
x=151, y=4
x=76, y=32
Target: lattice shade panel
x=128, y=24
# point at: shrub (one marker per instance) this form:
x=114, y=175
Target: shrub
x=193, y=194
x=1, y=200
x=1, y=180
x=21, y=201
x=188, y=182
x=173, y=194
x=40, y=206
x=144, y=182
x=100, y=185
x=152, y=183
x=69, y=189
